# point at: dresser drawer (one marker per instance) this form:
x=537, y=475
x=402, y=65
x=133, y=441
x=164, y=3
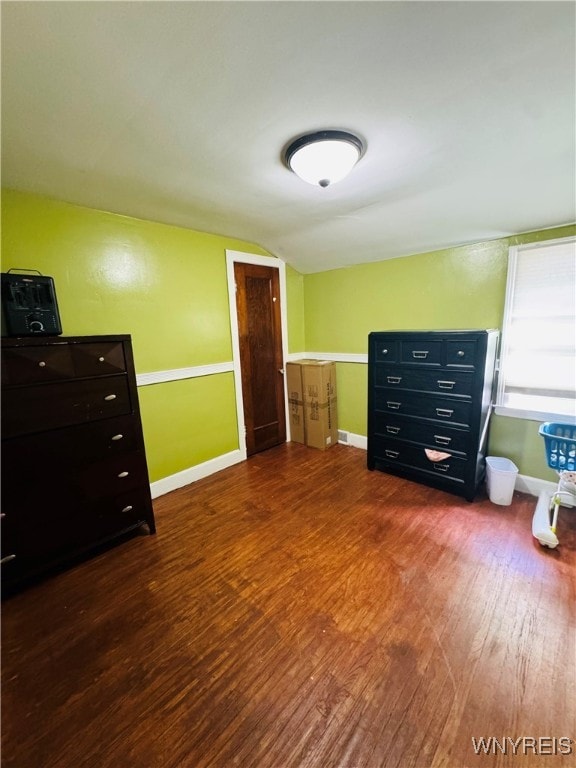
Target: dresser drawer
x=102, y=439
x=396, y=453
x=439, y=409
x=35, y=409
x=421, y=351
x=70, y=447
x=117, y=513
x=98, y=358
x=30, y=365
x=463, y=354
x=444, y=383
x=38, y=364
x=438, y=436
x=113, y=476
x=385, y=350
x=8, y=540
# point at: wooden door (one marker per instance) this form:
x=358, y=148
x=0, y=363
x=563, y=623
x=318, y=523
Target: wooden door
x=261, y=360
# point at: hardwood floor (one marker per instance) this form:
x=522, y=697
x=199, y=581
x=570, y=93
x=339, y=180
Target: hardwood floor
x=298, y=611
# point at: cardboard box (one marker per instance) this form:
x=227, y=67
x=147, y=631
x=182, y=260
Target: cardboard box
x=295, y=402
x=312, y=393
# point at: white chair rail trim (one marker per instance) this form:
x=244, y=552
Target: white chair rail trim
x=175, y=374
x=159, y=377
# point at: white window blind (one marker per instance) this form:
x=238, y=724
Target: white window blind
x=538, y=356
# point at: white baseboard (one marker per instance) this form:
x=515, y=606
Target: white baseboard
x=190, y=475
x=349, y=438
x=534, y=485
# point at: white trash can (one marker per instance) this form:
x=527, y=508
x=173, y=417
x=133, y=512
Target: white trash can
x=500, y=479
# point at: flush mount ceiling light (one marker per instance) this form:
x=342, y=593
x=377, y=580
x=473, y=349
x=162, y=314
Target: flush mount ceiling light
x=324, y=157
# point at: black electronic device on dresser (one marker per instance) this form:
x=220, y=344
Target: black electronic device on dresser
x=429, y=402
x=74, y=472
x=29, y=306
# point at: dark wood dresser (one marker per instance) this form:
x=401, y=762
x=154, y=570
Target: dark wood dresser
x=74, y=471
x=429, y=393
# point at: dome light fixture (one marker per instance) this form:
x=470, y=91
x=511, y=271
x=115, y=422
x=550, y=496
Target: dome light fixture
x=324, y=157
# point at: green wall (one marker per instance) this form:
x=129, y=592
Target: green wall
x=164, y=285
x=295, y=301
x=460, y=287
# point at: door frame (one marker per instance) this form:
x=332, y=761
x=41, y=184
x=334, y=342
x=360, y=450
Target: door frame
x=233, y=257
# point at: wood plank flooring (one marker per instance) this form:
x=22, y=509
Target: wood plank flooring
x=298, y=611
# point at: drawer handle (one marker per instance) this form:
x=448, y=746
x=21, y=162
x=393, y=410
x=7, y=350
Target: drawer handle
x=110, y=397
x=446, y=413
x=461, y=353
x=392, y=454
x=392, y=405
x=117, y=437
x=442, y=440
x=446, y=384
x=393, y=379
x=384, y=351
x=42, y=364
x=101, y=359
x=442, y=467
x=123, y=474
x=7, y=559
x=129, y=508
x=392, y=430
x=420, y=355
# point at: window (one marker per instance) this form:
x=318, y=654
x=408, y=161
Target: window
x=538, y=356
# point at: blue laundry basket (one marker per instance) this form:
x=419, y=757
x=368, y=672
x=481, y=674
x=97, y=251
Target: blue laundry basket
x=560, y=443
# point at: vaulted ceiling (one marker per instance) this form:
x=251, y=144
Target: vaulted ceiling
x=178, y=112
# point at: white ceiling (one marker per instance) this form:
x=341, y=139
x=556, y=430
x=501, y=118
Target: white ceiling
x=178, y=112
